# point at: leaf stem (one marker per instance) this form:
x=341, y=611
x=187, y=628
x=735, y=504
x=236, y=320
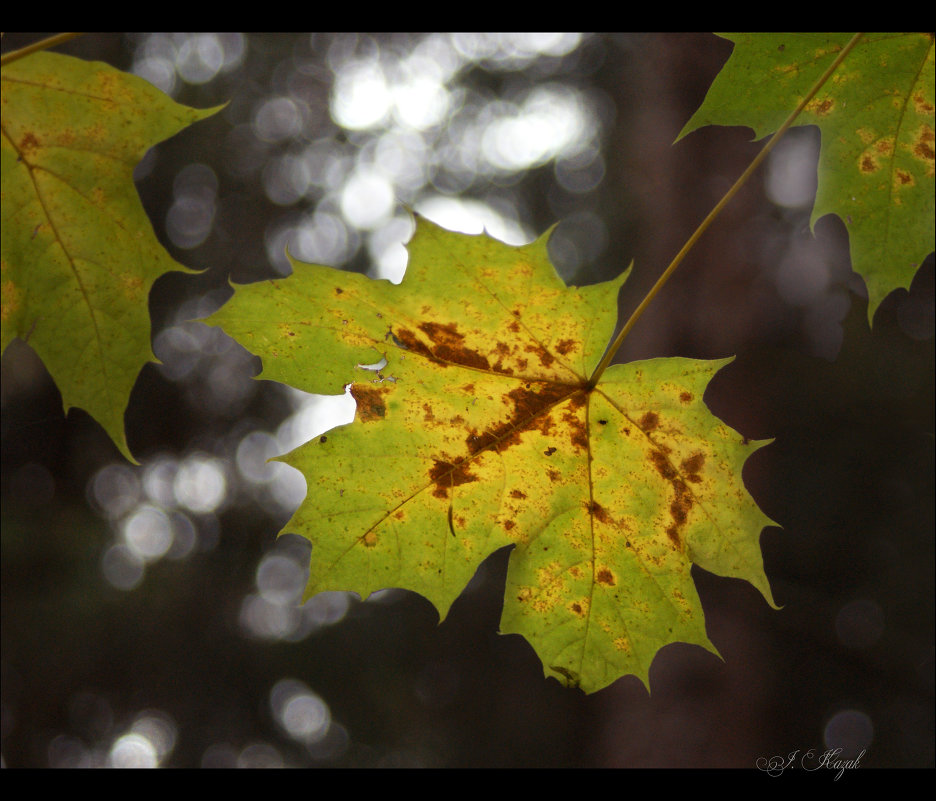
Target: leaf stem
x=619, y=339
x=42, y=44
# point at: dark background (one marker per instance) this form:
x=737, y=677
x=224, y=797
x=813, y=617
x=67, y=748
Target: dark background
x=178, y=655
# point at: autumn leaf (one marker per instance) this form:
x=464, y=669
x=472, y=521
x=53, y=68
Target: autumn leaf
x=476, y=429
x=79, y=255
x=875, y=114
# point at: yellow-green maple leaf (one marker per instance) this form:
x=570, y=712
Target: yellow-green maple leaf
x=480, y=431
x=876, y=115
x=79, y=255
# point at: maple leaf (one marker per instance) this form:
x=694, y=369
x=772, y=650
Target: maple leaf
x=79, y=255
x=876, y=115
x=478, y=430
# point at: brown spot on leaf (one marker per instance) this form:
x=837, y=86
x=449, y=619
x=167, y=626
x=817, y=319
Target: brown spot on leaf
x=412, y=342
x=28, y=143
x=509, y=524
x=649, y=421
x=445, y=475
x=868, y=164
x=662, y=465
x=923, y=106
x=544, y=356
x=338, y=290
x=563, y=346
x=822, y=107
x=923, y=147
x=369, y=539
x=672, y=531
x=597, y=511
x=576, y=608
x=370, y=402
x=448, y=345
x=549, y=451
x=606, y=577
x=529, y=402
x=679, y=509
x=685, y=397
x=517, y=494
x=693, y=465
x=903, y=178
x=554, y=475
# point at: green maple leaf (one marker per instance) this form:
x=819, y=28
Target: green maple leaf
x=479, y=431
x=79, y=255
x=876, y=163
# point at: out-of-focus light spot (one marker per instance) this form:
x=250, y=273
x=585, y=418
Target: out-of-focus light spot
x=280, y=580
x=286, y=179
x=158, y=71
x=261, y=618
x=69, y=752
x=823, y=324
x=791, y=170
x=220, y=756
x=179, y=349
x=386, y=246
x=403, y=158
x=367, y=199
x=551, y=121
x=581, y=173
x=851, y=730
x=327, y=608
x=189, y=221
x=234, y=46
x=200, y=58
x=802, y=275
x=322, y=238
x=360, y=97
x=191, y=216
x=420, y=102
x=302, y=713
x=578, y=240
x=278, y=119
x=259, y=755
x=159, y=729
x=252, y=454
x=244, y=153
x=200, y=484
x=133, y=751
x=314, y=415
x=513, y=49
x=184, y=536
x=288, y=490
x=859, y=624
x=159, y=480
x=147, y=532
x=114, y=490
x=122, y=567
x=472, y=217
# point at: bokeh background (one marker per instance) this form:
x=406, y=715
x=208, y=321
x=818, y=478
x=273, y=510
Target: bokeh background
x=150, y=615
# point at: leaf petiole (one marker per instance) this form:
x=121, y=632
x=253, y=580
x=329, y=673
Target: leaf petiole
x=703, y=226
x=43, y=44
